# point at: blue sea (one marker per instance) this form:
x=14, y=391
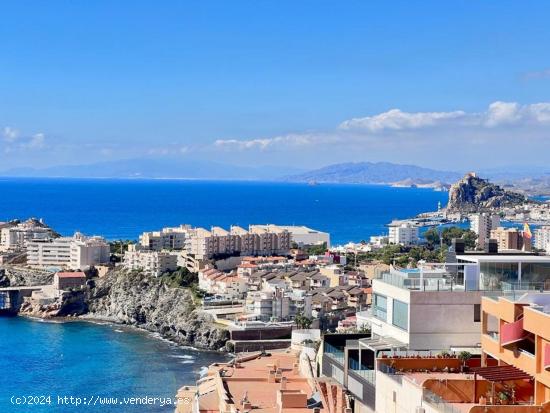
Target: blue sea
x=86, y=360
x=122, y=209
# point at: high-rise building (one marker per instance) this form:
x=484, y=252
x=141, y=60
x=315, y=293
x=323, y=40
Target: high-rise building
x=482, y=224
x=510, y=239
x=542, y=238
x=403, y=233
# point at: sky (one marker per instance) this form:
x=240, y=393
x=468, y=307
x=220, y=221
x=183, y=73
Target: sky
x=451, y=85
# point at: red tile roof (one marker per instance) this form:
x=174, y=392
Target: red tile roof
x=77, y=274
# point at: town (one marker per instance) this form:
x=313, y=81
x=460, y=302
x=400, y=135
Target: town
x=332, y=328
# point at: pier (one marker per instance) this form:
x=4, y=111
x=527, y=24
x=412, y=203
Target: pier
x=12, y=297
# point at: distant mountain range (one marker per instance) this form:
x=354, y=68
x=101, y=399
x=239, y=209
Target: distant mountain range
x=156, y=168
x=532, y=180
x=377, y=173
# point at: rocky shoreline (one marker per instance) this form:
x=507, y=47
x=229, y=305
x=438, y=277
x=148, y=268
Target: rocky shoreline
x=138, y=300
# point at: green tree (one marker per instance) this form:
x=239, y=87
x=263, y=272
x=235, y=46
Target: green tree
x=432, y=237
x=302, y=321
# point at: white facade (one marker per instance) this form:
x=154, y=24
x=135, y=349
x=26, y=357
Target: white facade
x=433, y=317
x=403, y=234
x=152, y=262
x=16, y=237
x=166, y=238
x=301, y=235
x=77, y=252
x=482, y=225
x=542, y=238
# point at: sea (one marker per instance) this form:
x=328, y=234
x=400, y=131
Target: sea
x=102, y=366
x=101, y=361
x=123, y=208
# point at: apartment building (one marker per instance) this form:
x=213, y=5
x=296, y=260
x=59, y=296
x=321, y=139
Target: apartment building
x=542, y=238
x=152, y=262
x=170, y=238
x=516, y=332
x=76, y=252
x=512, y=374
x=510, y=239
x=278, y=304
x=430, y=308
x=204, y=244
x=482, y=224
x=15, y=237
x=299, y=234
x=403, y=233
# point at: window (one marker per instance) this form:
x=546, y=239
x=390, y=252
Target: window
x=400, y=314
x=477, y=313
x=380, y=308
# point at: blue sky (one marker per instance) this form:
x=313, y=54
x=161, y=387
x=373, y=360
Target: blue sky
x=297, y=83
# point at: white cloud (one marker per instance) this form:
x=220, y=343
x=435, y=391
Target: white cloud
x=10, y=134
x=396, y=119
x=264, y=143
x=36, y=141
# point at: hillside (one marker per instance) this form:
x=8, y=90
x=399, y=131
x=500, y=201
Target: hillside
x=474, y=194
x=375, y=173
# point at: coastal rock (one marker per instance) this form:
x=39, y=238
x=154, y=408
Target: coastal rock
x=70, y=303
x=19, y=276
x=141, y=300
x=474, y=194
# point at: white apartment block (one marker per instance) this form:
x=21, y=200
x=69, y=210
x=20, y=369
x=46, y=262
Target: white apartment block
x=278, y=305
x=403, y=233
x=424, y=310
x=151, y=262
x=16, y=237
x=76, y=252
x=542, y=238
x=299, y=234
x=172, y=238
x=482, y=225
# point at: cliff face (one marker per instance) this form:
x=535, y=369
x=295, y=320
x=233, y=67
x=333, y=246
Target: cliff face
x=145, y=302
x=472, y=194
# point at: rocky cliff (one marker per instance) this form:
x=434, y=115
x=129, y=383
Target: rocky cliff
x=143, y=301
x=473, y=194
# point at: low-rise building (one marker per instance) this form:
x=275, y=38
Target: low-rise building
x=279, y=382
x=152, y=262
x=69, y=280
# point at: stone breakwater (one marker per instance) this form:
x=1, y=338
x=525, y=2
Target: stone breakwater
x=139, y=300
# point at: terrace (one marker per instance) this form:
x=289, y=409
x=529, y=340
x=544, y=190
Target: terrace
x=455, y=383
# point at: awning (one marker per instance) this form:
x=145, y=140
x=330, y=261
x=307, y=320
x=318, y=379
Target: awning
x=501, y=373
x=511, y=333
x=381, y=343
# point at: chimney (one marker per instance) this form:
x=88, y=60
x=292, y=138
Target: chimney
x=283, y=383
x=271, y=377
x=458, y=245
x=491, y=246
